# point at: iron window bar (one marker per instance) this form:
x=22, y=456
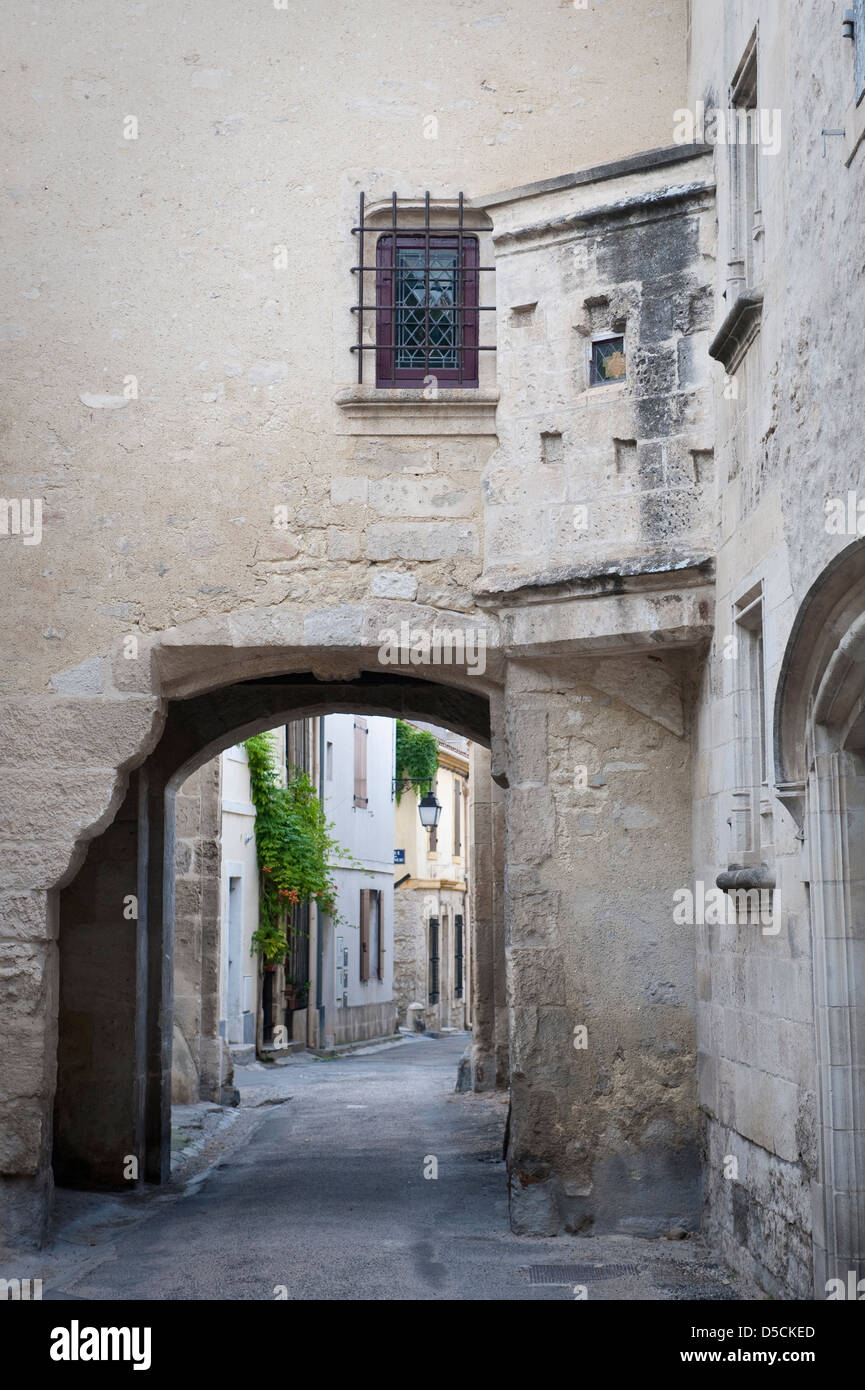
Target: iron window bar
x=458, y=308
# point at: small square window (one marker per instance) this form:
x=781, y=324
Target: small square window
x=608, y=361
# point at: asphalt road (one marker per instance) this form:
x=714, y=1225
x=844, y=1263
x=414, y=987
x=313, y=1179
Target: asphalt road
x=316, y=1190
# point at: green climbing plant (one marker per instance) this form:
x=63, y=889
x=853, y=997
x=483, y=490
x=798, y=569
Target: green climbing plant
x=294, y=845
x=417, y=758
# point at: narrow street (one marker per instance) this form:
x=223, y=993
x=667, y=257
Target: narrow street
x=315, y=1189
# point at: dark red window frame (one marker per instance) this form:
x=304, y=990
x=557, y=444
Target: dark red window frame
x=466, y=372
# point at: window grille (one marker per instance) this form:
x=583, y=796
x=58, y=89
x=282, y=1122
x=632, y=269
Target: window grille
x=427, y=309
x=458, y=956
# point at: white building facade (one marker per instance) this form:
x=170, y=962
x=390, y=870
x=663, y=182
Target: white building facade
x=336, y=984
x=357, y=947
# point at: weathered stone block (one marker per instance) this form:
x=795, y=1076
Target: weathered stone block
x=26, y=917
x=429, y=540
x=394, y=584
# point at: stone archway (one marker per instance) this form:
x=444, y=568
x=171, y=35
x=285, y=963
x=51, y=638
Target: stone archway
x=820, y=770
x=584, y=695
x=116, y=1001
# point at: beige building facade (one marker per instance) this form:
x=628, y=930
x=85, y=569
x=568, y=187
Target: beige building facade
x=636, y=520
x=432, y=925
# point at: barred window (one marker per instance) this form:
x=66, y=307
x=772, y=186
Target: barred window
x=426, y=310
x=422, y=291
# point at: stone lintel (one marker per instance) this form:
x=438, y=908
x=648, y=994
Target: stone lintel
x=688, y=569
x=613, y=624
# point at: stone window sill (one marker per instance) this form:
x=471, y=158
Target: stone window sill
x=375, y=410
x=738, y=330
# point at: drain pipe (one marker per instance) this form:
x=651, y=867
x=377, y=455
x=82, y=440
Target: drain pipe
x=319, y=935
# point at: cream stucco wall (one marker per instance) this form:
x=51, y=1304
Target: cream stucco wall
x=153, y=258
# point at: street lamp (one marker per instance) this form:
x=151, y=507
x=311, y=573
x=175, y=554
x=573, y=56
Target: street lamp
x=429, y=811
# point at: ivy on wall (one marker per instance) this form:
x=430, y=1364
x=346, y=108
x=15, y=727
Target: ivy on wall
x=417, y=758
x=294, y=846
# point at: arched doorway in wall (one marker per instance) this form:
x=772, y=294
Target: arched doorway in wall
x=820, y=770
x=117, y=916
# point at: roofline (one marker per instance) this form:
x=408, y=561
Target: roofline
x=633, y=164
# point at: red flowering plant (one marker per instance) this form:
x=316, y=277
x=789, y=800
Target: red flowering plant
x=294, y=845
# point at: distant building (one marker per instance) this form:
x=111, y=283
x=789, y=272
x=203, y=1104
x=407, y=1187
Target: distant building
x=336, y=983
x=357, y=950
x=431, y=922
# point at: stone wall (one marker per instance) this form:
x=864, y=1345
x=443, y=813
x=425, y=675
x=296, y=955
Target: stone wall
x=361, y=1022
x=409, y=951
x=211, y=243
x=788, y=421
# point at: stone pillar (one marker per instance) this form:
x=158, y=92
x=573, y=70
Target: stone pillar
x=488, y=981
x=201, y=1062
x=836, y=832
x=159, y=816
x=501, y=1013
x=483, y=1071
x=59, y=757
x=604, y=1119
x=28, y=1049
x=98, y=1116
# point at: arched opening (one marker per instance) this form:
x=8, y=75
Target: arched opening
x=117, y=916
x=820, y=770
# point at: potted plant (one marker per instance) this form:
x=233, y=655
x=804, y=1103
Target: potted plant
x=296, y=994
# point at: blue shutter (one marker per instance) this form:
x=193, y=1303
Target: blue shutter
x=859, y=46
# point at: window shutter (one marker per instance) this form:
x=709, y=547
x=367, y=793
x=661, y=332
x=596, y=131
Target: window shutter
x=433, y=960
x=433, y=831
x=458, y=796
x=385, y=358
x=360, y=736
x=379, y=968
x=364, y=934
x=859, y=48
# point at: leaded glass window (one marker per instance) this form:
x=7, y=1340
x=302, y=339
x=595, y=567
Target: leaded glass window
x=419, y=291
x=427, y=310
